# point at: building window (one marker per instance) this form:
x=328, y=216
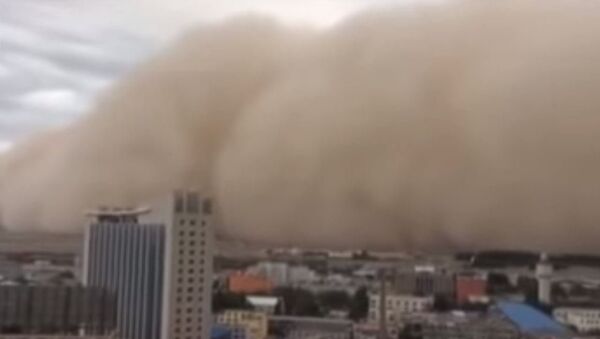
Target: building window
x=178, y=202
x=192, y=222
x=207, y=206
x=192, y=243
x=192, y=203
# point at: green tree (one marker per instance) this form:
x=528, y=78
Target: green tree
x=298, y=301
x=334, y=300
x=223, y=300
x=359, y=305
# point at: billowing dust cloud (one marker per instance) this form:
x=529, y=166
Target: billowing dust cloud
x=467, y=125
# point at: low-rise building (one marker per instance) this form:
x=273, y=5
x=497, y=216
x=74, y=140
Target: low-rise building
x=255, y=324
x=460, y=325
x=247, y=283
x=397, y=305
x=290, y=327
x=227, y=332
x=275, y=272
x=425, y=281
x=264, y=303
x=470, y=287
x=583, y=319
x=50, y=310
x=54, y=336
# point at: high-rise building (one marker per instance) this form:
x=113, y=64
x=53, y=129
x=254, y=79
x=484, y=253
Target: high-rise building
x=158, y=262
x=188, y=271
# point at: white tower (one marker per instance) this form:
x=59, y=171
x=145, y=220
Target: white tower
x=543, y=273
x=188, y=269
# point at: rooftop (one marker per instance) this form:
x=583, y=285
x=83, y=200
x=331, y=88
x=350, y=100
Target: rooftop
x=530, y=320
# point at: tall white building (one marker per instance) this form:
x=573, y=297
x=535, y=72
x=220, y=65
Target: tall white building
x=188, y=269
x=159, y=264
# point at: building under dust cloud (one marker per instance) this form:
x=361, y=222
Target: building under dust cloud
x=466, y=125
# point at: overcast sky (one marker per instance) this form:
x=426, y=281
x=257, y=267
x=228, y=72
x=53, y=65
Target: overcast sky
x=57, y=55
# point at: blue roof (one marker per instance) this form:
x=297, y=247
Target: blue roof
x=530, y=320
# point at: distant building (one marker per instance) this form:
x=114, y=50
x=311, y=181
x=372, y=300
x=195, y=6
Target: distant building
x=276, y=272
x=264, y=303
x=426, y=282
x=307, y=327
x=44, y=271
x=255, y=324
x=367, y=330
x=247, y=283
x=397, y=305
x=470, y=288
x=531, y=322
x=55, y=336
x=301, y=275
x=57, y=310
x=460, y=325
x=227, y=332
x=507, y=320
x=543, y=273
x=283, y=274
x=159, y=264
x=583, y=319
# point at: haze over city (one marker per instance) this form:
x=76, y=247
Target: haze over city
x=267, y=169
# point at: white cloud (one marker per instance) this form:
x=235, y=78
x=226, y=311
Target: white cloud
x=4, y=71
x=167, y=18
x=58, y=100
x=5, y=145
x=57, y=55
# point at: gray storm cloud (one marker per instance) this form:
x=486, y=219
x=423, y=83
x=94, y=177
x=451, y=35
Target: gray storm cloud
x=467, y=125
